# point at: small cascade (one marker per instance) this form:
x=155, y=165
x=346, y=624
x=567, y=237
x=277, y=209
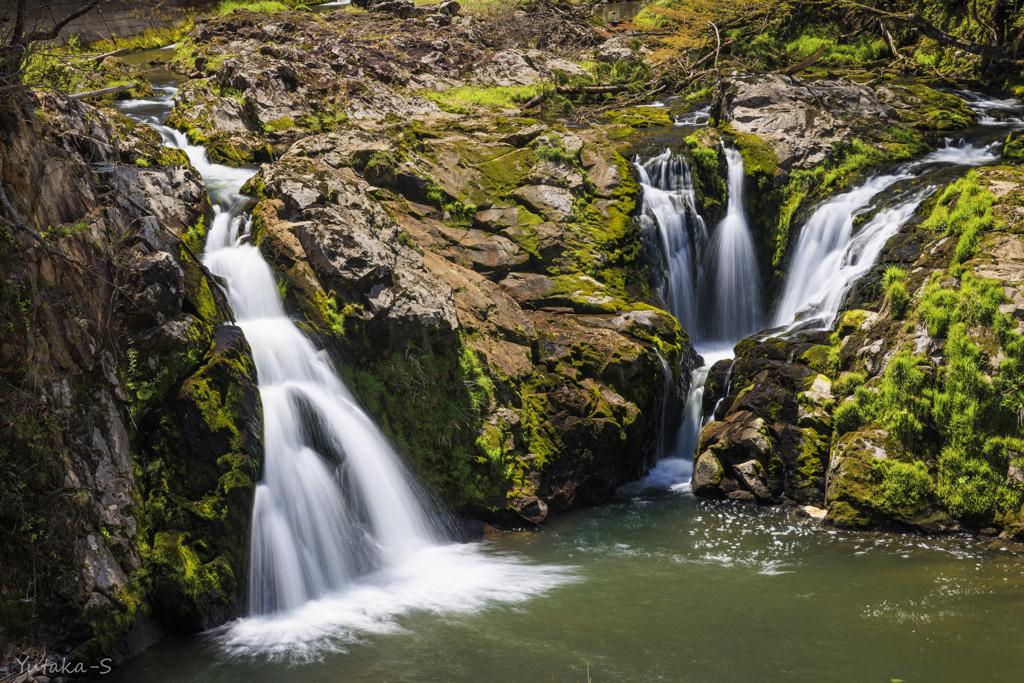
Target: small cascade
x=679, y=237
x=342, y=538
x=992, y=111
x=674, y=470
x=829, y=257
x=737, y=291
x=709, y=283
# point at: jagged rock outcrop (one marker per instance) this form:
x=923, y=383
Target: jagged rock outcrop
x=463, y=242
x=109, y=543
x=801, y=119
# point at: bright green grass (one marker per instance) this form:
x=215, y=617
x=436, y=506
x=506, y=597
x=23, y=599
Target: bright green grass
x=262, y=6
x=470, y=96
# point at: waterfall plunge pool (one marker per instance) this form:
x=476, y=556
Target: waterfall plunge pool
x=674, y=589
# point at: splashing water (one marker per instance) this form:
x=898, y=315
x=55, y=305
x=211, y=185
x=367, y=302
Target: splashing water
x=342, y=538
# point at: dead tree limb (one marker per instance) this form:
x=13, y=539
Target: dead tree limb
x=929, y=30
x=889, y=41
x=797, y=68
x=103, y=91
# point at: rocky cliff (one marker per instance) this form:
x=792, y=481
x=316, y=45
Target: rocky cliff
x=130, y=423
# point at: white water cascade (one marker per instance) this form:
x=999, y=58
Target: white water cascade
x=709, y=283
x=830, y=256
x=737, y=279
x=335, y=502
x=670, y=212
x=343, y=540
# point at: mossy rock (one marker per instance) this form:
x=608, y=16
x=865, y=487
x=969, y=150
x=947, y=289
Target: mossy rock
x=928, y=109
x=639, y=117
x=1013, y=148
x=203, y=454
x=854, y=491
x=816, y=357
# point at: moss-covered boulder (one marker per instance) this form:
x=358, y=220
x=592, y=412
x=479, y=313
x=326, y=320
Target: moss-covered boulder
x=488, y=274
x=203, y=458
x=769, y=440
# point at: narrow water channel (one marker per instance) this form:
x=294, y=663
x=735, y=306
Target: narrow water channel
x=657, y=586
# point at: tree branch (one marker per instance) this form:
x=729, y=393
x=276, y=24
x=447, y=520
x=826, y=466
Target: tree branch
x=928, y=29
x=797, y=68
x=51, y=33
x=103, y=91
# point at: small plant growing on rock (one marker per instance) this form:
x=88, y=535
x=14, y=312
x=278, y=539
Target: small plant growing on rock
x=906, y=488
x=381, y=169
x=896, y=295
x=847, y=418
x=847, y=384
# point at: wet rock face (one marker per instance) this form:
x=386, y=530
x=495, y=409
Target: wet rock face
x=97, y=351
x=769, y=440
x=464, y=239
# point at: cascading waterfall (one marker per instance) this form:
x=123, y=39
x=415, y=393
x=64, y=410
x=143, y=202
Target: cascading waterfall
x=737, y=278
x=717, y=311
x=335, y=502
x=342, y=538
x=670, y=212
x=829, y=257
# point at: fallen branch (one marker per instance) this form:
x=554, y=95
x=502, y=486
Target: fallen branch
x=889, y=41
x=709, y=55
x=99, y=59
x=576, y=90
x=103, y=91
x=797, y=68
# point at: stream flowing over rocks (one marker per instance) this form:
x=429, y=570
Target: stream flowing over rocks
x=298, y=340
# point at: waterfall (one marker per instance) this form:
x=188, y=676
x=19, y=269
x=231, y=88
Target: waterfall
x=737, y=311
x=342, y=538
x=669, y=211
x=830, y=256
x=673, y=472
x=334, y=502
x=709, y=283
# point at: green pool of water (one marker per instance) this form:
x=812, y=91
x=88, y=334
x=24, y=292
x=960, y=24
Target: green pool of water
x=672, y=589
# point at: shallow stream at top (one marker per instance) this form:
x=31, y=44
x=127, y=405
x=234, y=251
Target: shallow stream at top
x=655, y=586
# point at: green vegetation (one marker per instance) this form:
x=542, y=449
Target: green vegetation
x=73, y=68
x=906, y=488
x=262, y=6
x=969, y=409
x=896, y=296
x=964, y=209
x=461, y=100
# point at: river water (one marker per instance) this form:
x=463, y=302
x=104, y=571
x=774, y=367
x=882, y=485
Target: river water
x=656, y=586
x=671, y=589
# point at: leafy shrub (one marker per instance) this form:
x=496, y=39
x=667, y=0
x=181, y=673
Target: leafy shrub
x=847, y=384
